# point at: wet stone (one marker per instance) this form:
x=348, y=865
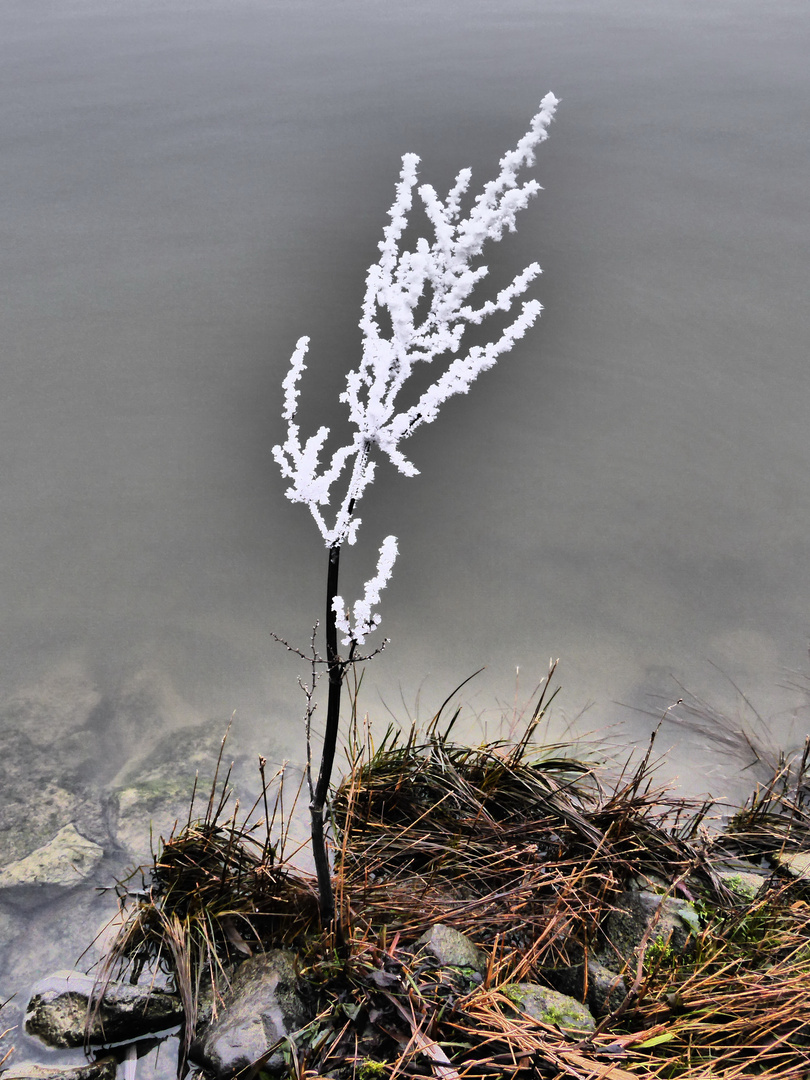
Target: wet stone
x=262, y=1006
x=58, y=1010
x=625, y=927
x=453, y=949
x=603, y=991
x=103, y=1069
x=551, y=1007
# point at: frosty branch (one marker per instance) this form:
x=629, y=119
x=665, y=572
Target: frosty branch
x=417, y=306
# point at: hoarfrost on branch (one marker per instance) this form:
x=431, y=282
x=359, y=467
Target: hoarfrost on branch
x=440, y=275
x=365, y=619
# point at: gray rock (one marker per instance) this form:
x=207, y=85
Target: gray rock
x=156, y=791
x=797, y=863
x=453, y=949
x=606, y=989
x=633, y=911
x=551, y=1007
x=58, y=1011
x=66, y=860
x=57, y=707
x=103, y=1069
x=743, y=884
x=262, y=1006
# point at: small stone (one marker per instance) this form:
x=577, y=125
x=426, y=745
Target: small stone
x=66, y=860
x=262, y=1006
x=58, y=1010
x=606, y=989
x=453, y=949
x=551, y=1007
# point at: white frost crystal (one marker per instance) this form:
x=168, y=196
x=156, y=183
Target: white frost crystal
x=365, y=619
x=424, y=296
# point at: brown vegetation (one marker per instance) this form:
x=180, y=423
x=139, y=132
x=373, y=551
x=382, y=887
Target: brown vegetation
x=524, y=849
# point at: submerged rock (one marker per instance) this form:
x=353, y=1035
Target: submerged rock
x=34, y=806
x=152, y=794
x=54, y=709
x=103, y=1069
x=49, y=752
x=551, y=1007
x=263, y=1005
x=67, y=748
x=66, y=860
x=58, y=1011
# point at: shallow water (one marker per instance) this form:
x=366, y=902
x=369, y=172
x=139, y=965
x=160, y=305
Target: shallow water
x=189, y=187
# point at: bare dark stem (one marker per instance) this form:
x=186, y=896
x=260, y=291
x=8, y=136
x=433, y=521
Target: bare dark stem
x=317, y=806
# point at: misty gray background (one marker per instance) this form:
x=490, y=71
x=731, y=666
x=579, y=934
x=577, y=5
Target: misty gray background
x=188, y=187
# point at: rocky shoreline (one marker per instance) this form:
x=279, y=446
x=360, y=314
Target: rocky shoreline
x=90, y=781
x=268, y=1004
x=503, y=912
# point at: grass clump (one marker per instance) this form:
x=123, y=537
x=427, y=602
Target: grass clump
x=219, y=890
x=510, y=842
x=527, y=850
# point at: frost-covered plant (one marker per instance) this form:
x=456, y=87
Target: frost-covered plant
x=417, y=306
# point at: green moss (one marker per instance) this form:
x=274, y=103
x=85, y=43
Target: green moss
x=369, y=1069
x=660, y=954
x=744, y=886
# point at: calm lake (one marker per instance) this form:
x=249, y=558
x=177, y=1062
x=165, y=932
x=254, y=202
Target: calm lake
x=188, y=186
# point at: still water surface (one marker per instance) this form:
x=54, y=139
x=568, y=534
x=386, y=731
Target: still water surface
x=187, y=187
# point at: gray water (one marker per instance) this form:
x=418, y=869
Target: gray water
x=187, y=187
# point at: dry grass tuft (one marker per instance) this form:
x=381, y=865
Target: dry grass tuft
x=218, y=891
x=525, y=849
x=512, y=842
